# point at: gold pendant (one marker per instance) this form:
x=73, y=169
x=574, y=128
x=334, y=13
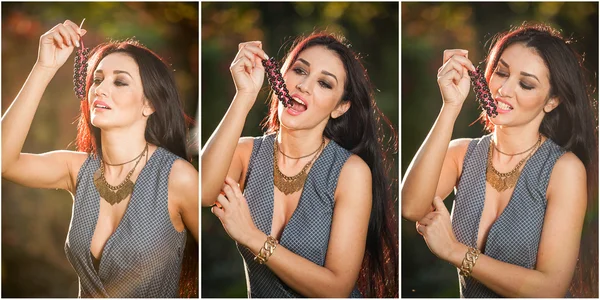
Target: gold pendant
x=289, y=186
x=110, y=196
x=501, y=184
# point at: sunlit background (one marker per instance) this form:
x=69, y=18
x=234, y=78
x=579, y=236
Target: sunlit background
x=428, y=29
x=372, y=30
x=34, y=221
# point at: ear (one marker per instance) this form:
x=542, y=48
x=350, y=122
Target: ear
x=551, y=104
x=340, y=109
x=148, y=108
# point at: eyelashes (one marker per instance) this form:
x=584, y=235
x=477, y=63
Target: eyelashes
x=523, y=85
x=322, y=83
x=276, y=81
x=80, y=67
x=482, y=92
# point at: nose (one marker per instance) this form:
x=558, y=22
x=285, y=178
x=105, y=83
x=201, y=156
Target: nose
x=507, y=88
x=100, y=90
x=303, y=87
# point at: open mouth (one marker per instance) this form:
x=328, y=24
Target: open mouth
x=503, y=106
x=298, y=105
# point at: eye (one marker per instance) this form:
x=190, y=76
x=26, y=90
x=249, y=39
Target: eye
x=524, y=86
x=501, y=74
x=324, y=84
x=299, y=71
x=120, y=83
x=97, y=80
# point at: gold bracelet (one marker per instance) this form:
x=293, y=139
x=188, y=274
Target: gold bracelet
x=266, y=251
x=469, y=262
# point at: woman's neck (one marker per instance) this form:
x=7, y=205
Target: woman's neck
x=515, y=139
x=119, y=147
x=298, y=143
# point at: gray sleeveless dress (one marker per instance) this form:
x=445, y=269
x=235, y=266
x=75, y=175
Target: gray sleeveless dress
x=142, y=258
x=515, y=236
x=307, y=232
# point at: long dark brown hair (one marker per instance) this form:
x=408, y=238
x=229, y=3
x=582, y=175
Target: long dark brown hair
x=572, y=125
x=166, y=127
x=360, y=131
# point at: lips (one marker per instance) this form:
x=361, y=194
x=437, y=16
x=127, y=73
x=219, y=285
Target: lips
x=503, y=105
x=100, y=104
x=298, y=103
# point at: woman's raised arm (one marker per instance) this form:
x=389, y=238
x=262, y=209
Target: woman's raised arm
x=53, y=169
x=224, y=152
x=434, y=169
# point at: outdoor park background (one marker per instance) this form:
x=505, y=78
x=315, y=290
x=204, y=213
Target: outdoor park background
x=428, y=29
x=371, y=28
x=35, y=221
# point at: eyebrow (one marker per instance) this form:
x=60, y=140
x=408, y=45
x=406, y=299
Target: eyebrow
x=324, y=72
x=116, y=72
x=522, y=73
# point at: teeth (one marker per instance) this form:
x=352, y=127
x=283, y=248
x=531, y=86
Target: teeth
x=299, y=101
x=101, y=106
x=504, y=106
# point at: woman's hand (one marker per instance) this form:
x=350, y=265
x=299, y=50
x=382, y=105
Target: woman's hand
x=453, y=78
x=234, y=213
x=57, y=44
x=436, y=228
x=247, y=70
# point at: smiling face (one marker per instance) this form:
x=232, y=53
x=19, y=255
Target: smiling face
x=520, y=86
x=316, y=83
x=116, y=98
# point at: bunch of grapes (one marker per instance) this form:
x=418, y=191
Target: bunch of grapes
x=276, y=81
x=81, y=64
x=482, y=92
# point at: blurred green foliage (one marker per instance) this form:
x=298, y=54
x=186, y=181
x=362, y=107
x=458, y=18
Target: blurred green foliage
x=371, y=28
x=428, y=29
x=35, y=222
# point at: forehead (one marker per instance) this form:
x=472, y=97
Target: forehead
x=321, y=58
x=118, y=61
x=525, y=59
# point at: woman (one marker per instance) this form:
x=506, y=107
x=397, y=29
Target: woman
x=308, y=203
x=522, y=190
x=131, y=110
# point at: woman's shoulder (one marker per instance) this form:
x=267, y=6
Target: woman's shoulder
x=568, y=181
x=568, y=165
x=355, y=171
x=183, y=175
x=355, y=178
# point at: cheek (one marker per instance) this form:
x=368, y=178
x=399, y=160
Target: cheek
x=494, y=84
x=289, y=78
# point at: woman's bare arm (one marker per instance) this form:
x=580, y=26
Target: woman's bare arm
x=53, y=169
x=183, y=191
x=434, y=169
x=225, y=154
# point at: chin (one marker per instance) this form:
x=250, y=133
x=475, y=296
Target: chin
x=100, y=122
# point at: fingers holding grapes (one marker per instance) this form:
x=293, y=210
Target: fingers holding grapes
x=247, y=69
x=57, y=44
x=453, y=77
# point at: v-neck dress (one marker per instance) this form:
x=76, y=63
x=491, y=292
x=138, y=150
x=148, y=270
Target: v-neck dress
x=307, y=232
x=515, y=236
x=142, y=258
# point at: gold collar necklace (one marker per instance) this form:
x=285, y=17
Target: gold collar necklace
x=115, y=194
x=291, y=184
x=503, y=181
x=496, y=147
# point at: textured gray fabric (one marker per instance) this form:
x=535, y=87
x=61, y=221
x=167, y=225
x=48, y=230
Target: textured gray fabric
x=142, y=258
x=307, y=232
x=515, y=236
